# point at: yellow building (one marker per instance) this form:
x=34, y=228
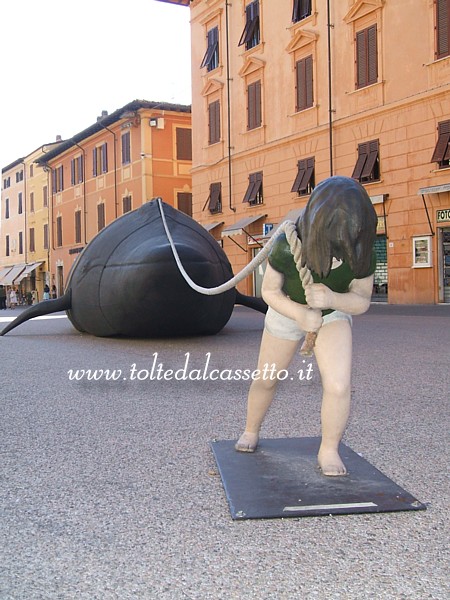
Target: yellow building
x=24, y=232
x=288, y=93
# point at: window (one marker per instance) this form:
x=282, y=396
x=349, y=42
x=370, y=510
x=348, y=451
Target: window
x=20, y=242
x=366, y=57
x=184, y=203
x=126, y=204
x=442, y=28
x=32, y=240
x=304, y=73
x=31, y=170
x=254, y=193
x=78, y=227
x=7, y=183
x=46, y=236
x=254, y=105
x=215, y=198
x=184, y=143
x=304, y=181
x=211, y=58
x=100, y=159
x=31, y=201
x=6, y=208
x=7, y=245
x=126, y=148
x=45, y=196
x=19, y=176
x=214, y=122
x=301, y=10
x=250, y=36
x=59, y=232
x=100, y=216
x=58, y=179
x=76, y=170
x=422, y=251
x=19, y=204
x=367, y=166
x=441, y=153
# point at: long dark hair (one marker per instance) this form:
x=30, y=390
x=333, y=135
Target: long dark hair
x=338, y=221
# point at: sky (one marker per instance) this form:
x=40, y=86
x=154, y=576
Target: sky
x=62, y=63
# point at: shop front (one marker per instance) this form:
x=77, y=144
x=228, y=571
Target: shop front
x=438, y=242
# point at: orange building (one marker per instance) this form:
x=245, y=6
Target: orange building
x=140, y=151
x=288, y=93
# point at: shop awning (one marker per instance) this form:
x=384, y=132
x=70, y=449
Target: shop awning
x=28, y=269
x=15, y=271
x=3, y=273
x=211, y=226
x=434, y=189
x=241, y=225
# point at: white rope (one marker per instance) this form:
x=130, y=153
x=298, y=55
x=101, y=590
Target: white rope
x=287, y=227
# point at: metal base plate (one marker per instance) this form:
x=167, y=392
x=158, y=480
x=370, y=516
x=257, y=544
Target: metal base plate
x=282, y=479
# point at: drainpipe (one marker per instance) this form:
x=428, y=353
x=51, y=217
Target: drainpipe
x=330, y=99
x=228, y=105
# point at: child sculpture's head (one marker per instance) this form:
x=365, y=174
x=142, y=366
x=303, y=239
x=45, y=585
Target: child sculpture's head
x=338, y=221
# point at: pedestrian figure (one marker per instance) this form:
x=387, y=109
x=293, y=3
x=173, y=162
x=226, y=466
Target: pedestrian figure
x=2, y=298
x=12, y=298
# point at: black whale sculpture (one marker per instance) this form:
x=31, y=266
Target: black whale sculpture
x=126, y=281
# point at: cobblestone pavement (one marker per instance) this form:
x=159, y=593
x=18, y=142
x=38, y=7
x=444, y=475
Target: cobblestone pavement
x=109, y=489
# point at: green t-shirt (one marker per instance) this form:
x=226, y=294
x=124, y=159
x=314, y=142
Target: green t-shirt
x=338, y=280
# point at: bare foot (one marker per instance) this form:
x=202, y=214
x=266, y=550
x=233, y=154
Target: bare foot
x=330, y=463
x=247, y=442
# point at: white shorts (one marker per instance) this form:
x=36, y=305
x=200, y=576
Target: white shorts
x=287, y=329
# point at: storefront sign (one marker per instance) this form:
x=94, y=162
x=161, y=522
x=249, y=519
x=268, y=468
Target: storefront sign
x=443, y=216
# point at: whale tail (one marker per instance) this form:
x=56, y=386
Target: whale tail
x=45, y=307
x=251, y=302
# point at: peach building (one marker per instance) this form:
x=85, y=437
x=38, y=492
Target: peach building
x=287, y=93
x=123, y=160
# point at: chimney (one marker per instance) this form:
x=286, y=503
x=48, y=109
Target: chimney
x=58, y=138
x=104, y=114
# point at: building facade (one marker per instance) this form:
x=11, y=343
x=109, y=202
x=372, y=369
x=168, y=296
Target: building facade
x=287, y=93
x=80, y=185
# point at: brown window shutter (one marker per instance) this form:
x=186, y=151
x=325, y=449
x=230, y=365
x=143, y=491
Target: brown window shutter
x=309, y=81
x=72, y=171
x=215, y=196
x=361, y=59
x=304, y=83
x=105, y=158
x=371, y=159
x=301, y=169
x=363, y=150
x=254, y=105
x=372, y=55
x=258, y=104
x=184, y=201
x=184, y=143
x=94, y=162
x=214, y=122
x=251, y=185
x=442, y=28
x=442, y=149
